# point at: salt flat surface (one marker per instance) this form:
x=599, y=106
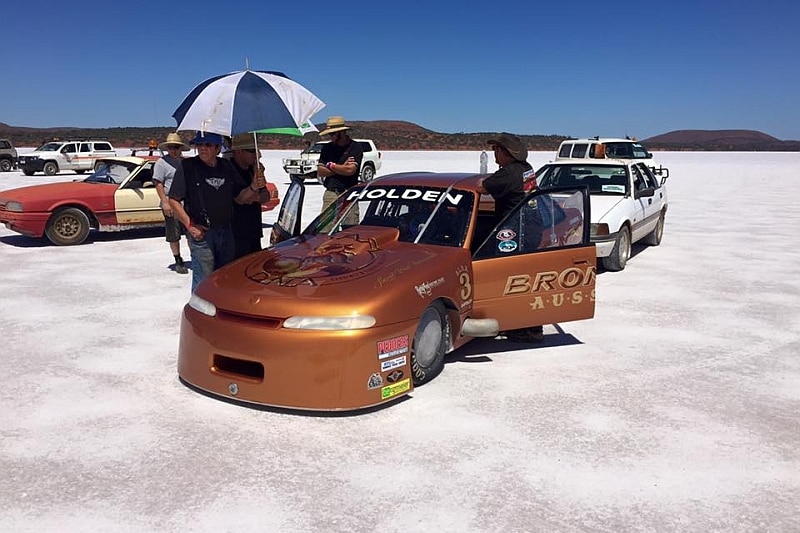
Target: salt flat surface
x=674, y=409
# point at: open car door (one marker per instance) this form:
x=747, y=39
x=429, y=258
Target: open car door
x=288, y=224
x=538, y=266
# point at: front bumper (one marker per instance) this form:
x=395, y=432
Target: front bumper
x=254, y=361
x=28, y=224
x=603, y=245
x=31, y=165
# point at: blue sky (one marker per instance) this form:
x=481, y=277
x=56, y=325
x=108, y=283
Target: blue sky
x=568, y=68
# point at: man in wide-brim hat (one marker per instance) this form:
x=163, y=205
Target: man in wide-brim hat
x=163, y=172
x=339, y=161
x=505, y=185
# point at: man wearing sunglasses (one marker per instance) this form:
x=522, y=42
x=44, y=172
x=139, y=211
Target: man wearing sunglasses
x=339, y=160
x=202, y=199
x=249, y=192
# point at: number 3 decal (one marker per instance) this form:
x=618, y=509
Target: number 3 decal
x=466, y=287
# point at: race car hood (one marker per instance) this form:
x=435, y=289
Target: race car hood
x=40, y=198
x=602, y=205
x=362, y=270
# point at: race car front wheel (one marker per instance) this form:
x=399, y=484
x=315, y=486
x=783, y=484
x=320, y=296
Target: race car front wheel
x=430, y=344
x=68, y=226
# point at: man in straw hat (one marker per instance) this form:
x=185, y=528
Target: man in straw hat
x=249, y=192
x=339, y=161
x=163, y=173
x=505, y=185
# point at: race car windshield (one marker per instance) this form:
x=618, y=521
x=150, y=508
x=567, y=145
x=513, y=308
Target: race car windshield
x=600, y=179
x=421, y=215
x=110, y=172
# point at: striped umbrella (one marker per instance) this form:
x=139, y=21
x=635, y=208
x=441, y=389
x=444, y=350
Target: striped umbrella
x=247, y=101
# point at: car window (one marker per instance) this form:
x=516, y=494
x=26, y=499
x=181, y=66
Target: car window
x=421, y=215
x=103, y=147
x=600, y=179
x=49, y=147
x=111, y=172
x=649, y=178
x=580, y=150
x=86, y=147
x=365, y=146
x=70, y=148
x=565, y=150
x=543, y=221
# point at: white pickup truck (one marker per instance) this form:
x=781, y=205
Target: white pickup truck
x=56, y=156
x=305, y=166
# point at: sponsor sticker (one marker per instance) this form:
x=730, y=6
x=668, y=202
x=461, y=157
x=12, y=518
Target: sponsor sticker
x=392, y=347
x=393, y=363
x=507, y=246
x=395, y=389
x=426, y=289
x=395, y=376
x=506, y=234
x=375, y=381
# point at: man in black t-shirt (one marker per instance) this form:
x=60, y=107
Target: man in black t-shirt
x=339, y=163
x=505, y=185
x=202, y=199
x=249, y=192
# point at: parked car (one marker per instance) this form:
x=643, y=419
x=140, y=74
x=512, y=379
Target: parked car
x=119, y=195
x=338, y=317
x=305, y=166
x=608, y=148
x=629, y=203
x=57, y=156
x=8, y=156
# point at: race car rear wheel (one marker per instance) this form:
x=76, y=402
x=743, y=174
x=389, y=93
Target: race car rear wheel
x=430, y=344
x=618, y=258
x=68, y=226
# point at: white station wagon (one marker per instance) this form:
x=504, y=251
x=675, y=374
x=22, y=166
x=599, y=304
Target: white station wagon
x=628, y=202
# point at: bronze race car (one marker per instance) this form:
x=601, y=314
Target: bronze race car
x=364, y=304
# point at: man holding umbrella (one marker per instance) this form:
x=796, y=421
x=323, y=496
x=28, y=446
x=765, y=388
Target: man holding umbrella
x=250, y=191
x=202, y=199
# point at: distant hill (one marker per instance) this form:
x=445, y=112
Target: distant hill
x=401, y=135
x=720, y=140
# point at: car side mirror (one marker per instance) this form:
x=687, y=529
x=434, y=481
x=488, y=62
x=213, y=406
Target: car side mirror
x=646, y=192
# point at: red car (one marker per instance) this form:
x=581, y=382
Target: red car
x=119, y=195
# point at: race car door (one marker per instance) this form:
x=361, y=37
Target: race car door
x=538, y=266
x=136, y=200
x=289, y=221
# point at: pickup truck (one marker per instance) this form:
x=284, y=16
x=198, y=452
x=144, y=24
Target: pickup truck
x=305, y=166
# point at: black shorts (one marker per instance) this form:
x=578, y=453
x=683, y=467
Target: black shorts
x=174, y=229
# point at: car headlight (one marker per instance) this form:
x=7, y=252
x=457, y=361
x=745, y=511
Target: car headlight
x=330, y=322
x=598, y=230
x=204, y=306
x=13, y=206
